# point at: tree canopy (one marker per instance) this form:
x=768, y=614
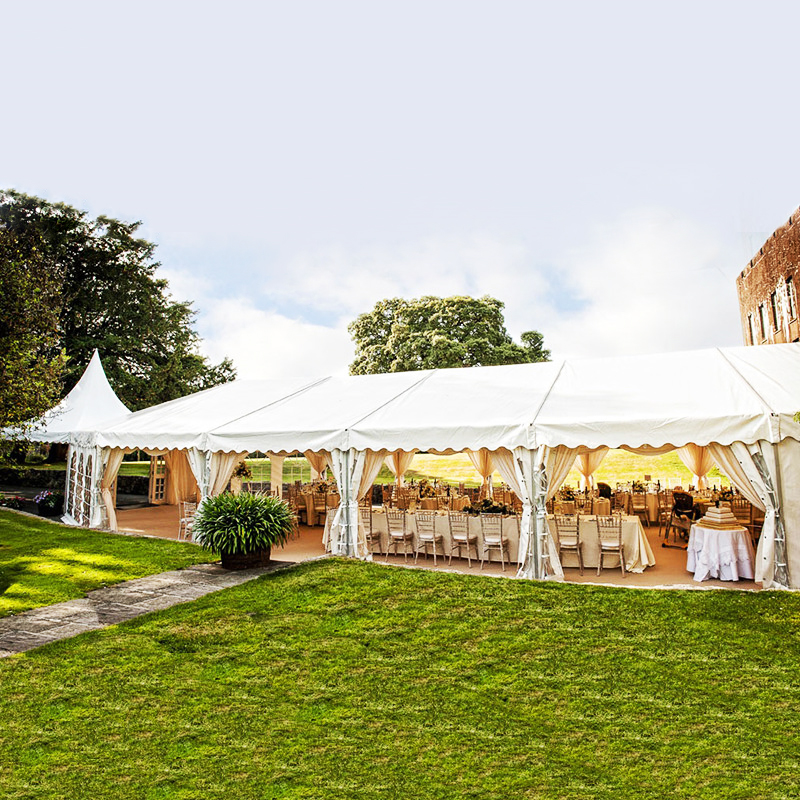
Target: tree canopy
x=30, y=360
x=433, y=332
x=109, y=298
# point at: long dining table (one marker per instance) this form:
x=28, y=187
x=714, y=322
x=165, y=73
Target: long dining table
x=638, y=553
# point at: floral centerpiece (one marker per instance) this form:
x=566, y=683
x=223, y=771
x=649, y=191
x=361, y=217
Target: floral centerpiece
x=426, y=489
x=726, y=493
x=567, y=493
x=322, y=487
x=49, y=504
x=487, y=506
x=638, y=486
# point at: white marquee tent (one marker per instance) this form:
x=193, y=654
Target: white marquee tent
x=91, y=403
x=534, y=419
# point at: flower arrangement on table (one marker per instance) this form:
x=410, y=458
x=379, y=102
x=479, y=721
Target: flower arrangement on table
x=638, y=486
x=426, y=489
x=567, y=493
x=322, y=487
x=726, y=493
x=487, y=506
x=49, y=503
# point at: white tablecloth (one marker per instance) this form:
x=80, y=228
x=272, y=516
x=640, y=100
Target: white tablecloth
x=510, y=531
x=638, y=553
x=726, y=555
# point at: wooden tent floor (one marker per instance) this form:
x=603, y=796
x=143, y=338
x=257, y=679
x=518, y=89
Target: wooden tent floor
x=669, y=571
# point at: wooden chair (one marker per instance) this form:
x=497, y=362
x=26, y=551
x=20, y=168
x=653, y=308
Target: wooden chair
x=664, y=511
x=402, y=498
x=373, y=537
x=493, y=539
x=569, y=537
x=680, y=519
x=639, y=506
x=460, y=535
x=621, y=502
x=609, y=539
x=319, y=505
x=397, y=527
x=443, y=502
x=387, y=491
x=427, y=535
x=186, y=514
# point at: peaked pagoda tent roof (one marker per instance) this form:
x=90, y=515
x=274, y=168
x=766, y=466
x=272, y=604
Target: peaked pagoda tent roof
x=91, y=403
x=720, y=395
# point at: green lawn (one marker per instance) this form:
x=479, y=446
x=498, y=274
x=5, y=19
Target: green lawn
x=43, y=562
x=341, y=679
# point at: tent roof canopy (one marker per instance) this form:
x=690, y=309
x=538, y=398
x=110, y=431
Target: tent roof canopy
x=87, y=407
x=719, y=395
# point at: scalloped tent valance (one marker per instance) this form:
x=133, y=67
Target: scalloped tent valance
x=723, y=395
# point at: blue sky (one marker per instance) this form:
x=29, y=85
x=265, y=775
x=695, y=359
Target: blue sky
x=604, y=169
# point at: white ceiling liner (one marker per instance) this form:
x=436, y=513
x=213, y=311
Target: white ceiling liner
x=722, y=395
x=88, y=406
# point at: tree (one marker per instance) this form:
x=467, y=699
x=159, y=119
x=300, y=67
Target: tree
x=111, y=299
x=30, y=360
x=432, y=332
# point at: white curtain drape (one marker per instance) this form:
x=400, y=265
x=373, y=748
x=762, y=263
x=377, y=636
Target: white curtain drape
x=276, y=474
x=200, y=463
x=112, y=460
x=354, y=472
x=221, y=469
x=482, y=461
x=698, y=461
x=399, y=462
x=753, y=470
x=588, y=463
x=533, y=484
x=318, y=462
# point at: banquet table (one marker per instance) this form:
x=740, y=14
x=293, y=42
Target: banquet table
x=638, y=553
x=602, y=506
x=432, y=503
x=723, y=554
x=316, y=517
x=510, y=531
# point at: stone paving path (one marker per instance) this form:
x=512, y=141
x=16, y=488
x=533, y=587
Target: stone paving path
x=112, y=604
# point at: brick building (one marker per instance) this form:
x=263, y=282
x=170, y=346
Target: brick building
x=767, y=288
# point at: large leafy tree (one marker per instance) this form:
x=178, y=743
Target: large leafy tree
x=432, y=332
x=111, y=299
x=30, y=359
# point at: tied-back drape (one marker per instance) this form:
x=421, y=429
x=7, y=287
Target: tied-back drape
x=221, y=469
x=482, y=461
x=318, y=462
x=181, y=484
x=399, y=462
x=276, y=474
x=112, y=461
x=354, y=472
x=587, y=464
x=753, y=470
x=532, y=481
x=699, y=461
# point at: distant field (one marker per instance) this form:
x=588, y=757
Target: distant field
x=618, y=465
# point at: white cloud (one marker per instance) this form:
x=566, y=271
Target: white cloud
x=651, y=282
x=265, y=344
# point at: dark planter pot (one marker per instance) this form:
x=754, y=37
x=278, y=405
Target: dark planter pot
x=248, y=561
x=45, y=510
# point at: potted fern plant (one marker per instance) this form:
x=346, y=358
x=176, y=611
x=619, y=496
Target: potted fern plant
x=243, y=528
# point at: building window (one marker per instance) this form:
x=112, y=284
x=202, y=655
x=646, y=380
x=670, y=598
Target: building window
x=773, y=309
x=762, y=322
x=750, y=329
x=791, y=297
